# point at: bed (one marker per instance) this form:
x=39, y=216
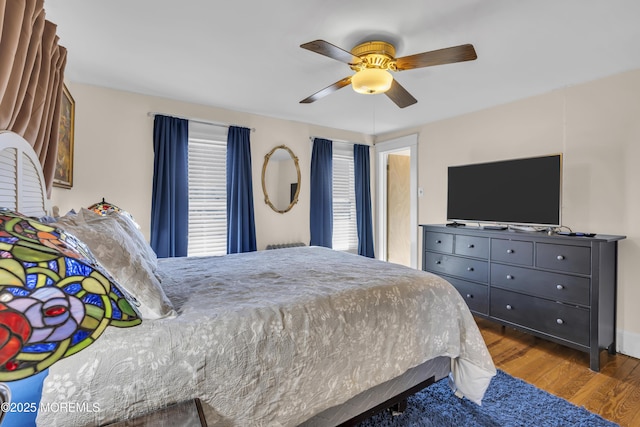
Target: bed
x=297, y=336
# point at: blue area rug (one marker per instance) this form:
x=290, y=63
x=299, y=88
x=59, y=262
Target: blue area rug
x=508, y=402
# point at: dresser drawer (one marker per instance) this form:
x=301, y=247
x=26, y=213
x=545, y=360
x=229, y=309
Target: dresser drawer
x=553, y=318
x=574, y=259
x=475, y=295
x=472, y=246
x=439, y=242
x=555, y=286
x=512, y=251
x=465, y=268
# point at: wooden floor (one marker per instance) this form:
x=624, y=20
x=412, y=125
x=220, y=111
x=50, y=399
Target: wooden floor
x=613, y=393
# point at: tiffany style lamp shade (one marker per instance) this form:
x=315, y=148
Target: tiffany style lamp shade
x=103, y=208
x=55, y=298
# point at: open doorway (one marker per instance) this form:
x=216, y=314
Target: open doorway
x=397, y=206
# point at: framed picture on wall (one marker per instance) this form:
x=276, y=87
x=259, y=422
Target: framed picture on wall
x=63, y=176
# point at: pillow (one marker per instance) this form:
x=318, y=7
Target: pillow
x=48, y=219
x=104, y=207
x=133, y=231
x=126, y=220
x=113, y=246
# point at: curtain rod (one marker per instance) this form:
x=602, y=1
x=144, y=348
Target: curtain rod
x=201, y=121
x=311, y=138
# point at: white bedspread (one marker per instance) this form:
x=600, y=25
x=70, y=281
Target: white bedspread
x=272, y=338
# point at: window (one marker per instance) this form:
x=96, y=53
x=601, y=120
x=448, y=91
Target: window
x=207, y=190
x=345, y=234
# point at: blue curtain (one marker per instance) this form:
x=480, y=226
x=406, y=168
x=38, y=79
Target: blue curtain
x=321, y=193
x=241, y=228
x=170, y=196
x=362, y=170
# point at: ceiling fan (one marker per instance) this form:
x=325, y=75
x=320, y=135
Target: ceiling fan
x=372, y=62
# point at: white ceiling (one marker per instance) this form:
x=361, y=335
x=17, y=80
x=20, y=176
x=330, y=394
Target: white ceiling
x=244, y=55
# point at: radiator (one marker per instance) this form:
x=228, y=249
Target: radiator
x=285, y=245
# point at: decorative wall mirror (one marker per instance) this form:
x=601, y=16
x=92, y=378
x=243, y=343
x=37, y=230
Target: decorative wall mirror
x=281, y=179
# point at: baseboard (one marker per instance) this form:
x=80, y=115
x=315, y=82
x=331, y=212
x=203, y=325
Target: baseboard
x=628, y=343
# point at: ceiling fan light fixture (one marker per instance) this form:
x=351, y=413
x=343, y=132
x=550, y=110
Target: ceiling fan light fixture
x=371, y=81
x=372, y=62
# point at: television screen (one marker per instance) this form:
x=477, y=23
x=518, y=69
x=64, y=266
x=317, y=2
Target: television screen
x=520, y=191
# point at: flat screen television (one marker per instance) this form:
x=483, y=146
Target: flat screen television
x=511, y=192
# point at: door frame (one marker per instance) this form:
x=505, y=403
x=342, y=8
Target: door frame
x=383, y=149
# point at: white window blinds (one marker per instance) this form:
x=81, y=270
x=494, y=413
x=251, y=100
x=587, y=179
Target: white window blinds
x=345, y=234
x=207, y=190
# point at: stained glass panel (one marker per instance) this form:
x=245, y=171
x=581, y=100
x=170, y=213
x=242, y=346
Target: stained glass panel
x=52, y=297
x=103, y=208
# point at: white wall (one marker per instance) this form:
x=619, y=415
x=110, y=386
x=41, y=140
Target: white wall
x=595, y=125
x=113, y=156
x=597, y=128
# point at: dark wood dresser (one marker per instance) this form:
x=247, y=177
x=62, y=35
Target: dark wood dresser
x=562, y=288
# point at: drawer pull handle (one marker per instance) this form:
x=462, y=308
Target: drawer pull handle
x=438, y=241
x=509, y=307
x=469, y=296
x=559, y=321
x=438, y=262
x=470, y=246
x=469, y=268
x=509, y=251
x=560, y=257
x=509, y=277
x=559, y=287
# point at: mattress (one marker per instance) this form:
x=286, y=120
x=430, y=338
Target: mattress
x=273, y=338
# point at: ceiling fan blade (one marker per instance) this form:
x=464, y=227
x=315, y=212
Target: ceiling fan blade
x=334, y=52
x=448, y=55
x=399, y=95
x=327, y=90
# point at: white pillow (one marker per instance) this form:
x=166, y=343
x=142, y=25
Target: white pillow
x=144, y=249
x=113, y=246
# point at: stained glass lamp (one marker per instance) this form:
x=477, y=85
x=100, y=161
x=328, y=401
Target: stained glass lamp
x=55, y=298
x=103, y=208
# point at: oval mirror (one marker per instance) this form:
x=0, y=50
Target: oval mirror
x=281, y=179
